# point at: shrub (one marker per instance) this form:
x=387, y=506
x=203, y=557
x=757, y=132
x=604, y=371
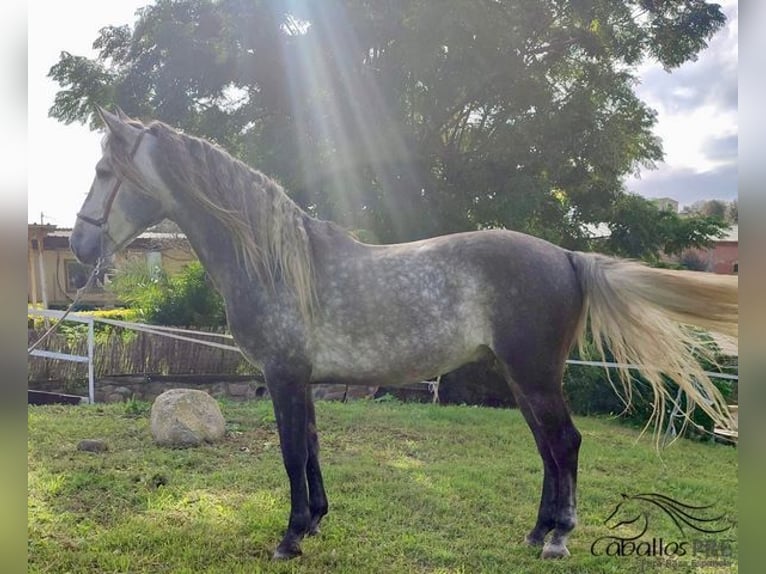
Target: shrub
x=588, y=391
x=79, y=331
x=187, y=299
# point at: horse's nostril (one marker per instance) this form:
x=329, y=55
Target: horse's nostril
x=85, y=250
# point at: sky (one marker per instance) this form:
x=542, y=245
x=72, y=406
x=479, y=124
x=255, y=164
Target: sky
x=696, y=106
x=697, y=121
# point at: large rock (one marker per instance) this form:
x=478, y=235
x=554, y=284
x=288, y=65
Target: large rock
x=186, y=417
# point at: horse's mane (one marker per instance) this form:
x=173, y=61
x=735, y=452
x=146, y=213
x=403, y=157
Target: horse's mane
x=266, y=225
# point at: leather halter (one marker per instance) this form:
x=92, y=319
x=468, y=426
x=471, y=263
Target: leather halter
x=101, y=221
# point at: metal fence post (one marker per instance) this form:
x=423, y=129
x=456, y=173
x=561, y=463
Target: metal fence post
x=91, y=369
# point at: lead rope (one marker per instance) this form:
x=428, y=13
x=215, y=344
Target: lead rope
x=77, y=296
x=103, y=224
x=80, y=292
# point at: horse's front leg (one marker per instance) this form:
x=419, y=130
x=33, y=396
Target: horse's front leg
x=290, y=395
x=317, y=497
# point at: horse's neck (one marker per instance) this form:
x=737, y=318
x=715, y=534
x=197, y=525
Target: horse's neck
x=216, y=248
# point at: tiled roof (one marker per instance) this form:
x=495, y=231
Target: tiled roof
x=145, y=235
x=732, y=234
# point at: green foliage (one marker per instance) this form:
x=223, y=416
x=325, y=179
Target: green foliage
x=590, y=392
x=727, y=211
x=140, y=288
x=409, y=118
x=74, y=332
x=387, y=398
x=118, y=314
x=640, y=230
x=187, y=299
x=136, y=408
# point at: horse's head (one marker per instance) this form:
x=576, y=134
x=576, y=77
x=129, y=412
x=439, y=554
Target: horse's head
x=627, y=512
x=123, y=199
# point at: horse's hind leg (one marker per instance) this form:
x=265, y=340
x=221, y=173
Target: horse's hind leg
x=541, y=401
x=558, y=442
x=317, y=497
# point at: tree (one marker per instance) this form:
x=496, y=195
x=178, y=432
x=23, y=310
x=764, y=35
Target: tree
x=406, y=118
x=640, y=230
x=717, y=208
x=732, y=212
x=710, y=208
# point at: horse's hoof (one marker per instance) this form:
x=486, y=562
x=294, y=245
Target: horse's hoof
x=314, y=526
x=554, y=551
x=534, y=540
x=286, y=552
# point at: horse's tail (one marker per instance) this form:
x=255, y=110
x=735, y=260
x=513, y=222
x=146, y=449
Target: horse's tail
x=642, y=316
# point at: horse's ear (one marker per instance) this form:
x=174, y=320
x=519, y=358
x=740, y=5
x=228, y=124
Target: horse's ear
x=116, y=125
x=120, y=114
x=110, y=120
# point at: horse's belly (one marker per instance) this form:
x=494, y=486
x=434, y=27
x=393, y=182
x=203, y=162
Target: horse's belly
x=376, y=358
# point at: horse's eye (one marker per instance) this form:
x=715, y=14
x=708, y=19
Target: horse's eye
x=103, y=173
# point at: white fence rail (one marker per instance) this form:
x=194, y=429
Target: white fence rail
x=90, y=320
x=193, y=336
x=50, y=313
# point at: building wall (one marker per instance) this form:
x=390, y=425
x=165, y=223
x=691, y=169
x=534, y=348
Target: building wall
x=60, y=268
x=722, y=258
x=51, y=275
x=725, y=258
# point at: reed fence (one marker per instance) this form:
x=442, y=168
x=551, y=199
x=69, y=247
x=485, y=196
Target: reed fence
x=140, y=353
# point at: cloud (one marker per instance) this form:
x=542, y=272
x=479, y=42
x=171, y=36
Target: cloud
x=709, y=80
x=687, y=186
x=696, y=107
x=722, y=149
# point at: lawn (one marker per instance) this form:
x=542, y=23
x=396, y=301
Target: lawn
x=412, y=488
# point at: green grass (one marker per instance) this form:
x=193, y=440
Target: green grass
x=412, y=488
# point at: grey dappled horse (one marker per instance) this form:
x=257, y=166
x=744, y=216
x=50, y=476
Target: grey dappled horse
x=307, y=303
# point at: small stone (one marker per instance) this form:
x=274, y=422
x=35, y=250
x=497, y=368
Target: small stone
x=92, y=445
x=158, y=480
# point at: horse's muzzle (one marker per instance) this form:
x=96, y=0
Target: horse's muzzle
x=85, y=242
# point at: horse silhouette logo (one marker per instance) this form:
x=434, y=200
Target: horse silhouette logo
x=629, y=522
x=634, y=510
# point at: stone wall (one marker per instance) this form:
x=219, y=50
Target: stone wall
x=147, y=388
